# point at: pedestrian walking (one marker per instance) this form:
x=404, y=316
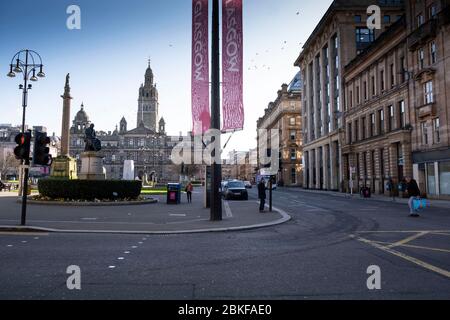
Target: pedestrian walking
x=413, y=193
x=262, y=195
x=189, y=189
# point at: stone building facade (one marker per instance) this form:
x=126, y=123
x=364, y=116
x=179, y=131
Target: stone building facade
x=341, y=34
x=148, y=145
x=284, y=114
x=377, y=142
x=428, y=40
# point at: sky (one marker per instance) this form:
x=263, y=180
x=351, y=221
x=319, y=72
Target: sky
x=108, y=56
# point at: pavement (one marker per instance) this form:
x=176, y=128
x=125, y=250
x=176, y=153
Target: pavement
x=323, y=252
x=150, y=218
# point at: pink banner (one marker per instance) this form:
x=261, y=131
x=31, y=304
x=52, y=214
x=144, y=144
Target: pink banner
x=232, y=66
x=201, y=118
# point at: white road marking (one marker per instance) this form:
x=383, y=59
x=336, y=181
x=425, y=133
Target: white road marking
x=134, y=247
x=24, y=241
x=177, y=215
x=140, y=242
x=9, y=245
x=126, y=252
x=418, y=262
x=111, y=267
x=89, y=219
x=228, y=212
x=120, y=258
x=415, y=247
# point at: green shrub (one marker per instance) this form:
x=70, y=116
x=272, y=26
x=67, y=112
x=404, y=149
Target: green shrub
x=89, y=189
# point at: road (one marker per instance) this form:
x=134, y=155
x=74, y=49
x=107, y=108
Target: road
x=322, y=253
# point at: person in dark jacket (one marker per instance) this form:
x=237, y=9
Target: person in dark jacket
x=413, y=192
x=262, y=195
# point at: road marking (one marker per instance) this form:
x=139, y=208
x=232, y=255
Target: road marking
x=134, y=247
x=177, y=215
x=228, y=212
x=406, y=240
x=440, y=233
x=416, y=247
x=89, y=219
x=120, y=258
x=24, y=241
x=126, y=252
x=9, y=245
x=418, y=262
x=111, y=267
x=140, y=242
x=405, y=231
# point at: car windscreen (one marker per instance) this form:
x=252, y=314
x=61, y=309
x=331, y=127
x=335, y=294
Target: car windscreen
x=235, y=184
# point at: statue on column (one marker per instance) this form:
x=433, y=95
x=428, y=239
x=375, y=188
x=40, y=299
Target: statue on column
x=91, y=141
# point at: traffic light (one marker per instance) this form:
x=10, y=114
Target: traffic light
x=22, y=151
x=41, y=152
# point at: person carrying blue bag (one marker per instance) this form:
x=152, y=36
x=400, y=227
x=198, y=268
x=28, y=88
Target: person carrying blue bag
x=414, y=194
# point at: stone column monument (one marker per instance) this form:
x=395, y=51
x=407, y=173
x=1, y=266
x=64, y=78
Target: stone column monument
x=64, y=166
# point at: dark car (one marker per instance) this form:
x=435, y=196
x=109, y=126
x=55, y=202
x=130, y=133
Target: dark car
x=235, y=190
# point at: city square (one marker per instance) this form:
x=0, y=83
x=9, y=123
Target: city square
x=195, y=151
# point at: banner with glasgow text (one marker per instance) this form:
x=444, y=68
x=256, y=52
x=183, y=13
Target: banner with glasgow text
x=201, y=118
x=232, y=66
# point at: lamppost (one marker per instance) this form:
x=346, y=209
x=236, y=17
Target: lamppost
x=26, y=62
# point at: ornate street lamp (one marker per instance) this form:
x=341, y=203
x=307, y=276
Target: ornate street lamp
x=25, y=62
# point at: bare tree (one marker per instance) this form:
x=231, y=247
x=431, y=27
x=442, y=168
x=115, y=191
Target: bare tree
x=8, y=163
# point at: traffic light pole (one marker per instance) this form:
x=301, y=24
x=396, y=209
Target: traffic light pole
x=216, y=172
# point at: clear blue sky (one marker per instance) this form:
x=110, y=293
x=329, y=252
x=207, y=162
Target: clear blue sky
x=107, y=58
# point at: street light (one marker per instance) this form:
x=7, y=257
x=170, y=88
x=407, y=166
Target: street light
x=25, y=62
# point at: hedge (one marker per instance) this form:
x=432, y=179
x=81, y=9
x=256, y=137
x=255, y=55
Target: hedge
x=89, y=189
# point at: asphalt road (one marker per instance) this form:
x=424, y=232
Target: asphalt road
x=322, y=253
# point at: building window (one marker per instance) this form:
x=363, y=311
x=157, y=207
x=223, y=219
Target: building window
x=402, y=69
x=392, y=75
x=293, y=176
x=292, y=121
x=364, y=127
x=358, y=95
x=373, y=85
x=382, y=80
x=365, y=91
x=293, y=135
x=293, y=154
x=358, y=18
x=401, y=107
x=420, y=20
x=351, y=99
x=428, y=92
x=350, y=133
x=421, y=58
x=444, y=178
x=381, y=123
x=432, y=11
x=387, y=19
x=356, y=130
x=391, y=118
x=424, y=131
x=433, y=52
x=372, y=124
x=436, y=127
x=364, y=37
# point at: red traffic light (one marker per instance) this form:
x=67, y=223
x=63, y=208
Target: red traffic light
x=22, y=151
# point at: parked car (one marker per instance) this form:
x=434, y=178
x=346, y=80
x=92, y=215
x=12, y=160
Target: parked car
x=248, y=184
x=235, y=190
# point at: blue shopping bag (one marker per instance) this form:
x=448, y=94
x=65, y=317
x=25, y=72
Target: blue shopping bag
x=419, y=204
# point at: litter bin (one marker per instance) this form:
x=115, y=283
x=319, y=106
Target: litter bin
x=173, y=193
